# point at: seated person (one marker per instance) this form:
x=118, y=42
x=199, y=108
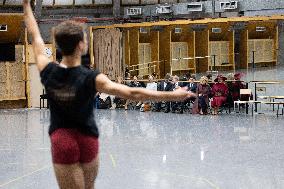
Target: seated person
x=103, y=101
x=220, y=93
x=201, y=103
x=176, y=106
x=115, y=101
x=142, y=84
x=133, y=83
x=163, y=86
x=237, y=86
x=151, y=86
x=192, y=86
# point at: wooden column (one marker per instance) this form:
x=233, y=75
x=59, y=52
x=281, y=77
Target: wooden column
x=27, y=79
x=91, y=48
x=232, y=49
x=53, y=45
x=244, y=50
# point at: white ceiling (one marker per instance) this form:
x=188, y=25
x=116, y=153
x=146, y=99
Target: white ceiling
x=13, y=2
x=63, y=2
x=105, y=2
x=47, y=2
x=83, y=2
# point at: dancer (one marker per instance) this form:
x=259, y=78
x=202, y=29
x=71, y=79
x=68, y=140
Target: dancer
x=71, y=89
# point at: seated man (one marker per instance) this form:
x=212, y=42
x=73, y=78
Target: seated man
x=192, y=86
x=115, y=101
x=162, y=86
x=134, y=83
x=103, y=101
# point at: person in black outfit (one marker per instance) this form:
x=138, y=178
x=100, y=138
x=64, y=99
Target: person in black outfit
x=164, y=85
x=192, y=87
x=176, y=106
x=71, y=89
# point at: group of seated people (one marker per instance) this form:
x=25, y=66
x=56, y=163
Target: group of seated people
x=215, y=94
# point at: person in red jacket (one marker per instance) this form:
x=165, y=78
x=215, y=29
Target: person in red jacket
x=220, y=92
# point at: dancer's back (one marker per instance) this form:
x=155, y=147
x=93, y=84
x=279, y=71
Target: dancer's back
x=71, y=94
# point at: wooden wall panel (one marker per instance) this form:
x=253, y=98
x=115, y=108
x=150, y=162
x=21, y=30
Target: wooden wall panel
x=107, y=52
x=202, y=50
x=276, y=44
x=232, y=49
x=15, y=28
x=265, y=43
x=179, y=51
x=35, y=86
x=191, y=50
x=145, y=37
x=244, y=50
x=3, y=80
x=268, y=34
x=133, y=46
x=165, y=51
x=180, y=37
x=12, y=77
x=17, y=90
x=144, y=59
x=223, y=36
x=126, y=47
x=264, y=50
x=155, y=44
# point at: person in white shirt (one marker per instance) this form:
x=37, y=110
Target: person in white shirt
x=151, y=86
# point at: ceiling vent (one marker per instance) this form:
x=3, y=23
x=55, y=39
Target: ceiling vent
x=134, y=11
x=178, y=30
x=216, y=30
x=163, y=9
x=260, y=29
x=229, y=5
x=195, y=7
x=3, y=28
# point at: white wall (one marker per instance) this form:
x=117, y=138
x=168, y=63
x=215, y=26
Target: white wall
x=35, y=84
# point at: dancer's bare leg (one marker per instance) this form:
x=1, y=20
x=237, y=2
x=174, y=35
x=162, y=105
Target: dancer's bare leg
x=69, y=176
x=90, y=171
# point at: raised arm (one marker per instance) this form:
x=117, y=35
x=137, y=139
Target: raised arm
x=103, y=84
x=38, y=45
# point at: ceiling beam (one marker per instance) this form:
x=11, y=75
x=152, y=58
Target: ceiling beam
x=38, y=8
x=116, y=8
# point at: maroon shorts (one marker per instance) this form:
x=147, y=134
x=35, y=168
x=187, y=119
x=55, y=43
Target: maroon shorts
x=69, y=146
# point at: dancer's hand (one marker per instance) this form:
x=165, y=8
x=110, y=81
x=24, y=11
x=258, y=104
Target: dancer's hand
x=181, y=94
x=26, y=2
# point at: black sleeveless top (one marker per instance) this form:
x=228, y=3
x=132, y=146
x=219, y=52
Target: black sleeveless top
x=71, y=93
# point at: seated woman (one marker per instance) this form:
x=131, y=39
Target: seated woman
x=237, y=85
x=146, y=106
x=201, y=103
x=220, y=92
